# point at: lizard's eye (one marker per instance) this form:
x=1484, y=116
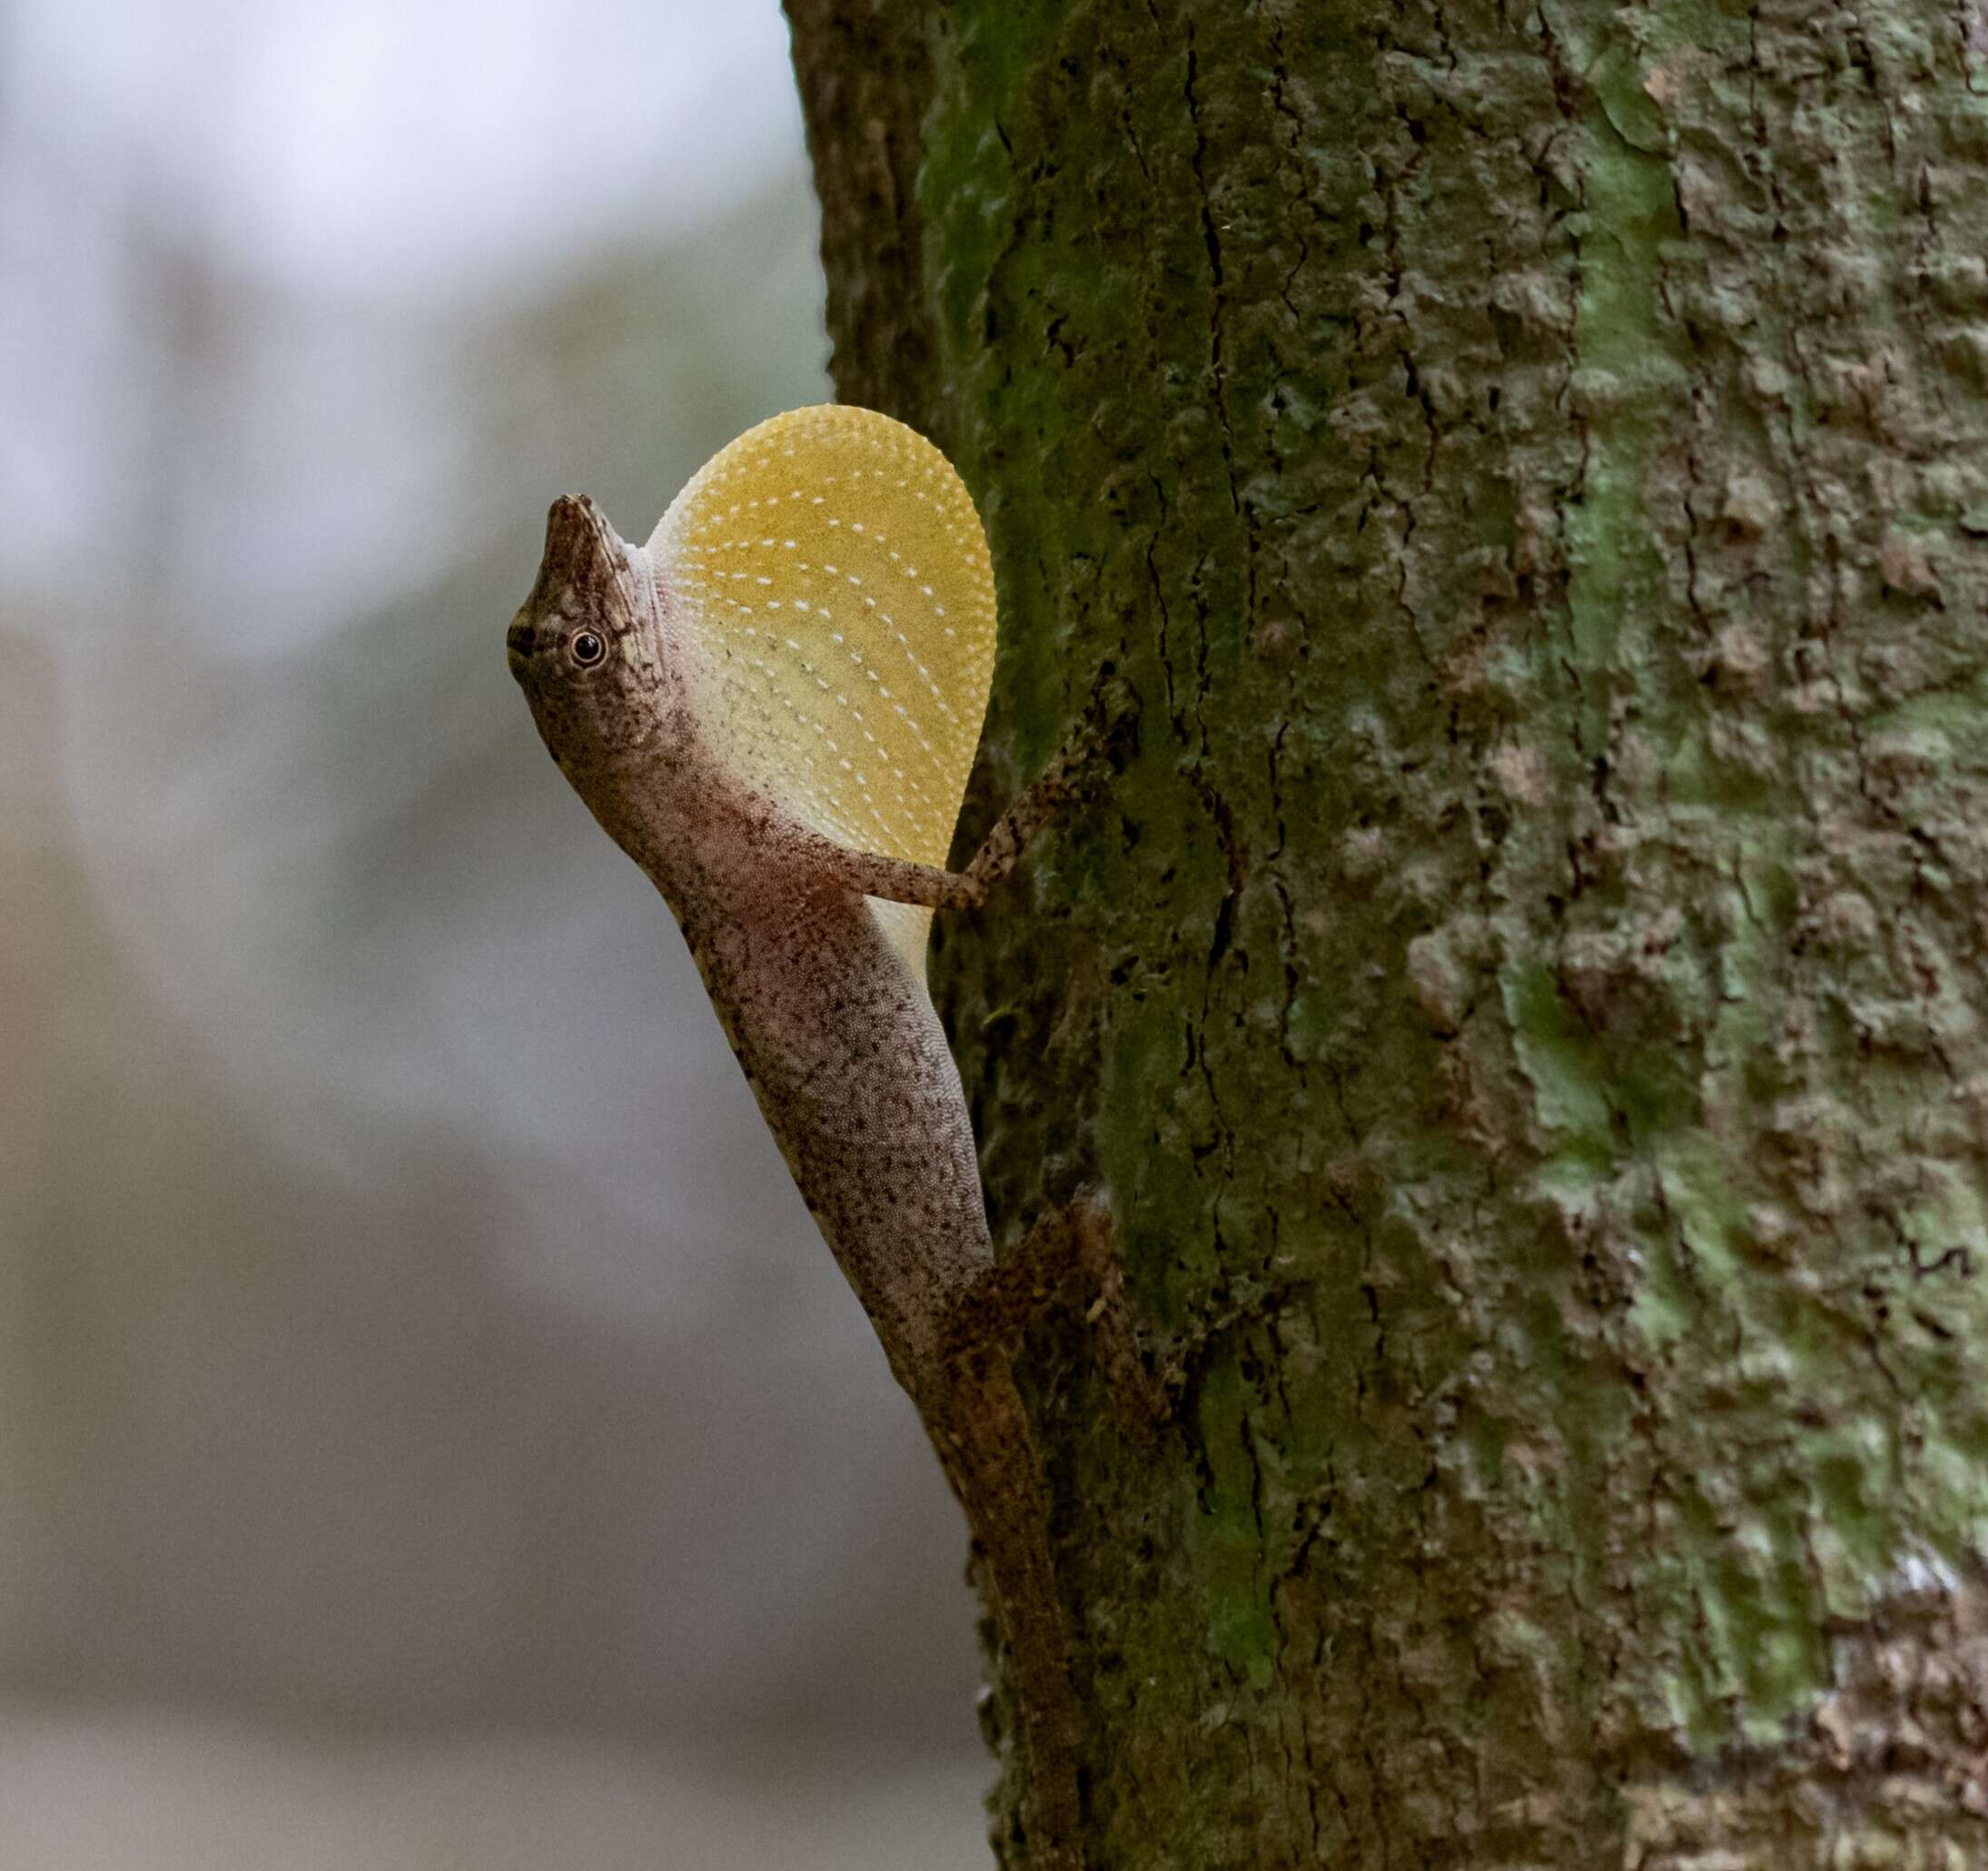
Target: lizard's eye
x=587, y=649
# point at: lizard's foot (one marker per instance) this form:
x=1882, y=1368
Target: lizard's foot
x=1077, y=773
x=1069, y=1258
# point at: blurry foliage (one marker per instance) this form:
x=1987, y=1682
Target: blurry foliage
x=397, y=1322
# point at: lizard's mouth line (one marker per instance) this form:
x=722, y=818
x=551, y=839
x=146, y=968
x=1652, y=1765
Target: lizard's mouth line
x=519, y=642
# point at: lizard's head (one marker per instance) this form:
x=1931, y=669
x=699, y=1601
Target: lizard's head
x=584, y=645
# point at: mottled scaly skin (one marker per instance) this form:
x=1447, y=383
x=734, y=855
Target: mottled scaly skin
x=845, y=1054
x=847, y=1058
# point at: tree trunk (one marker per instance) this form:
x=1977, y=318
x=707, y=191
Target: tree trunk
x=1525, y=1001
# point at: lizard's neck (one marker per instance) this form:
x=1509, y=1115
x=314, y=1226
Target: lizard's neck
x=666, y=800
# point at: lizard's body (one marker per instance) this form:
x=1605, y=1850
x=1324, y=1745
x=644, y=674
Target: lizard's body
x=849, y=1061
x=815, y=971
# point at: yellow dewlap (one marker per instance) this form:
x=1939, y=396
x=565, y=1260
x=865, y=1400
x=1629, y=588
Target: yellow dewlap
x=835, y=595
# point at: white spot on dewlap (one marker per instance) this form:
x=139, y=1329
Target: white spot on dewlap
x=863, y=510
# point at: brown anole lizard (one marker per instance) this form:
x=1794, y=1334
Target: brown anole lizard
x=772, y=709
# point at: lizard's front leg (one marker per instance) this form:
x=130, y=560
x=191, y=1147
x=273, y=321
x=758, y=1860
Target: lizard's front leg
x=1076, y=774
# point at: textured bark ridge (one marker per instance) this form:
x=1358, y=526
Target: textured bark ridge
x=1526, y=1003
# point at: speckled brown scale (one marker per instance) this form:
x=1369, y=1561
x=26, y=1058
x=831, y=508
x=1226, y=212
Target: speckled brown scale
x=777, y=727
x=850, y=1064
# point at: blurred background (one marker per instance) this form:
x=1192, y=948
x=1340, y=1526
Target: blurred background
x=430, y=1431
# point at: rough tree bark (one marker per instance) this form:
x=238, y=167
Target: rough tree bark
x=1525, y=1001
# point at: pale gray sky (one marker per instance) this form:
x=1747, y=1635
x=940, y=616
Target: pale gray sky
x=351, y=147
x=381, y=159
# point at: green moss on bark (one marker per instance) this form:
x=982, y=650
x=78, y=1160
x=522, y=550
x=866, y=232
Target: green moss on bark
x=1525, y=1001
